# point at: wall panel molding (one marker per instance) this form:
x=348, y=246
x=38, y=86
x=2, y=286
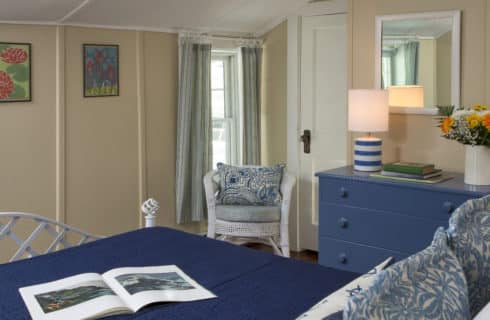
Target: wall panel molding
x=60, y=125
x=140, y=76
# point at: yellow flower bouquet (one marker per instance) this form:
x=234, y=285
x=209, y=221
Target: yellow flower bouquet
x=469, y=126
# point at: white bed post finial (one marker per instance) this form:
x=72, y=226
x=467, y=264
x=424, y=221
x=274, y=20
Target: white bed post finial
x=150, y=208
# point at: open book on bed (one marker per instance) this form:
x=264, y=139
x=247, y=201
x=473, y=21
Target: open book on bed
x=118, y=291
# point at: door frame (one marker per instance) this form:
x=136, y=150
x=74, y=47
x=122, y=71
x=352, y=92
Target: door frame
x=294, y=146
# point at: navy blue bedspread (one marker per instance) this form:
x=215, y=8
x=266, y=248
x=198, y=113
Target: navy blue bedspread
x=249, y=284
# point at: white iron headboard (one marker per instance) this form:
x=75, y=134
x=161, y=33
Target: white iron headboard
x=58, y=231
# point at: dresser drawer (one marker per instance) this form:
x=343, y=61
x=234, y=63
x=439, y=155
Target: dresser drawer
x=352, y=257
x=377, y=228
x=419, y=202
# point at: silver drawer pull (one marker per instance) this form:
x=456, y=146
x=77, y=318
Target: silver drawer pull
x=448, y=206
x=343, y=192
x=343, y=258
x=343, y=223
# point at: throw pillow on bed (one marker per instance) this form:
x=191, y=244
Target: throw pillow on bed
x=427, y=285
x=469, y=229
x=252, y=186
x=330, y=308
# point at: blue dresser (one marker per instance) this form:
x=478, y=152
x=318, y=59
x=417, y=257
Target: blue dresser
x=364, y=220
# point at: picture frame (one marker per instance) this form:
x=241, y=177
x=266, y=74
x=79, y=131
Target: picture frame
x=100, y=70
x=15, y=72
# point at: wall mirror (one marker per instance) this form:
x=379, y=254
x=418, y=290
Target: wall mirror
x=420, y=49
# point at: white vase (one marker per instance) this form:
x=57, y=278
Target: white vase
x=477, y=165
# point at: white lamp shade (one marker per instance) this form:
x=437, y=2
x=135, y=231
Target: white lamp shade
x=406, y=96
x=368, y=110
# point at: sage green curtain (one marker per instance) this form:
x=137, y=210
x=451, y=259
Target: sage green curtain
x=405, y=64
x=411, y=54
x=251, y=69
x=194, y=130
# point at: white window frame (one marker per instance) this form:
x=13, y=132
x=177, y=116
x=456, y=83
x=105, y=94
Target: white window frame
x=232, y=109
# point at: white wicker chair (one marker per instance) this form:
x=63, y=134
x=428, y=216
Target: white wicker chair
x=275, y=233
x=58, y=231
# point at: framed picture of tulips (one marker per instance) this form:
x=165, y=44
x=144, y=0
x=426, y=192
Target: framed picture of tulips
x=15, y=72
x=100, y=70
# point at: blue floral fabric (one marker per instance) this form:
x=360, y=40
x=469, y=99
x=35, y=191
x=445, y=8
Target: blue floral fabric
x=256, y=186
x=427, y=285
x=469, y=230
x=331, y=307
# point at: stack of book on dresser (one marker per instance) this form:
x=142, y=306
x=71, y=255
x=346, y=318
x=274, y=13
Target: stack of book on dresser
x=410, y=171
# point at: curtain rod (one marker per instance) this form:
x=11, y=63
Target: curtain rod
x=223, y=37
x=217, y=36
x=409, y=37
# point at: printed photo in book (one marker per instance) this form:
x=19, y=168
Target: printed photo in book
x=118, y=291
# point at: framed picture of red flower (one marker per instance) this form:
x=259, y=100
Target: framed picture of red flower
x=15, y=72
x=100, y=70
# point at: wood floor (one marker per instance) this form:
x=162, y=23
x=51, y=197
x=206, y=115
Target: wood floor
x=307, y=255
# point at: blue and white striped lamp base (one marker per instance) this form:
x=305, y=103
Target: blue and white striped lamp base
x=367, y=154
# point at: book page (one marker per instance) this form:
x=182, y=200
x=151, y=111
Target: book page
x=138, y=287
x=82, y=296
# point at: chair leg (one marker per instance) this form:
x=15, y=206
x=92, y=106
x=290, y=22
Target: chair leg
x=284, y=241
x=274, y=246
x=285, y=251
x=211, y=230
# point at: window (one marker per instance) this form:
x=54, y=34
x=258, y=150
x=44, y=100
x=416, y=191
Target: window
x=224, y=108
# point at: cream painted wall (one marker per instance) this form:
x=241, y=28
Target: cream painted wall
x=27, y=135
x=274, y=87
x=101, y=139
x=161, y=67
x=444, y=69
x=413, y=137
x=486, y=67
x=427, y=70
x=161, y=74
x=116, y=150
x=27, y=129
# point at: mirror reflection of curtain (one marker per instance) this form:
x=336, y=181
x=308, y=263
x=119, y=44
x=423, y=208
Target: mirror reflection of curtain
x=400, y=65
x=410, y=52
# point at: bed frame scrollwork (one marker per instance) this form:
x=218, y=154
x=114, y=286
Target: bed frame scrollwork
x=59, y=232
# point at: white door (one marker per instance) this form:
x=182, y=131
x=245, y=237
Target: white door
x=323, y=112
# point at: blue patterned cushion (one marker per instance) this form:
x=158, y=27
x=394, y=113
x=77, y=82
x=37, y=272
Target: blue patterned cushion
x=256, y=186
x=469, y=229
x=427, y=285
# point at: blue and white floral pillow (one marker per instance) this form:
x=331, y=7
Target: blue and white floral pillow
x=469, y=230
x=427, y=285
x=330, y=308
x=253, y=186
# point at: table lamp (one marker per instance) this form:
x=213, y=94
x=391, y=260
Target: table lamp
x=368, y=112
x=406, y=96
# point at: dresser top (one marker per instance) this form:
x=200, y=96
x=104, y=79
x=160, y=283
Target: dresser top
x=456, y=184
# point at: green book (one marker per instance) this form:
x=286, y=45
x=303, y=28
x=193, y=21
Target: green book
x=409, y=168
x=427, y=181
